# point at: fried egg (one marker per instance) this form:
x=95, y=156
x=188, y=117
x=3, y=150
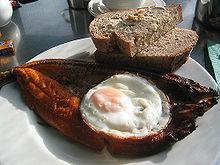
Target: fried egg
x=125, y=105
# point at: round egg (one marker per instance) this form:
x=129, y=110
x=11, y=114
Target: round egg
x=125, y=105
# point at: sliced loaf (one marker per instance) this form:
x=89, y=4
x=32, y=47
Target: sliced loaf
x=132, y=30
x=165, y=55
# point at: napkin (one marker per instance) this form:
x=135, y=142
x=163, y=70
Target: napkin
x=213, y=60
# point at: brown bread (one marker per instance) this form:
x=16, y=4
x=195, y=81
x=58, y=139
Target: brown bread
x=165, y=55
x=132, y=30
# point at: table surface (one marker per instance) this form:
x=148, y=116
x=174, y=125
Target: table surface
x=43, y=24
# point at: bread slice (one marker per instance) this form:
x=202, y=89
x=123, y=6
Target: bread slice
x=165, y=55
x=132, y=30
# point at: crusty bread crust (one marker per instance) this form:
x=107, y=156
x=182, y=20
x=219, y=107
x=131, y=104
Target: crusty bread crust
x=107, y=42
x=157, y=58
x=152, y=64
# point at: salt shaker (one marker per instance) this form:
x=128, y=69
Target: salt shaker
x=208, y=12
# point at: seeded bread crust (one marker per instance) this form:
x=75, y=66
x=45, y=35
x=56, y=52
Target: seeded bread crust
x=132, y=30
x=165, y=55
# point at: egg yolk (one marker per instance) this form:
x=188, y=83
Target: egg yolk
x=109, y=100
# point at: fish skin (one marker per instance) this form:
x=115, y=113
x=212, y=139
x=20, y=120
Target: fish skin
x=54, y=88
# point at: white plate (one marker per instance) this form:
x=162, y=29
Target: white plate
x=96, y=7
x=24, y=142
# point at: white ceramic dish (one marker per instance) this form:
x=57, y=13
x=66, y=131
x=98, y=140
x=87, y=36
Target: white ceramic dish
x=96, y=7
x=23, y=141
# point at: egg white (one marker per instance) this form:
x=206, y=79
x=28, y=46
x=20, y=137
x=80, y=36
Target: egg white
x=146, y=108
